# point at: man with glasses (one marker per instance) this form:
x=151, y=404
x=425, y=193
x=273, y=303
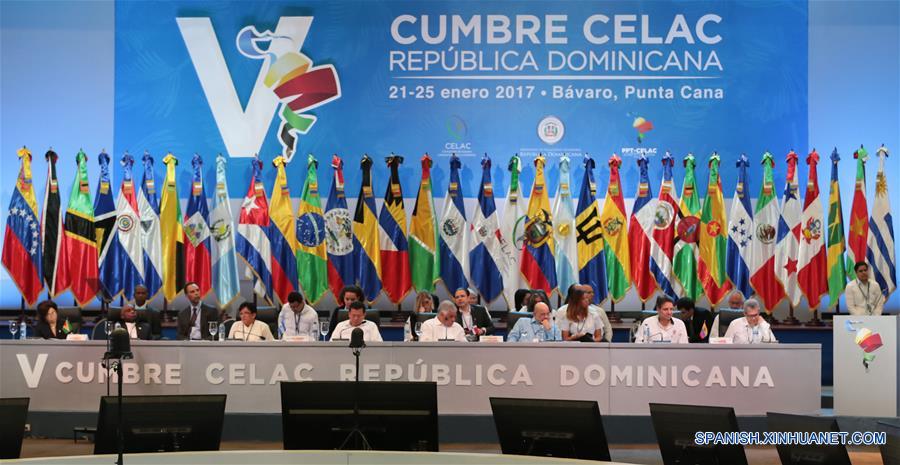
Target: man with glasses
x=751, y=328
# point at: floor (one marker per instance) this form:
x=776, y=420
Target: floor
x=636, y=453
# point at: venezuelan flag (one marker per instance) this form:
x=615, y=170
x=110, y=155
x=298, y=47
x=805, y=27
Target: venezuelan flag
x=22, y=240
x=365, y=236
x=538, y=262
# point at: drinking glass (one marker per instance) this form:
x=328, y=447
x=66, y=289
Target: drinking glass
x=419, y=329
x=213, y=329
x=13, y=328
x=323, y=327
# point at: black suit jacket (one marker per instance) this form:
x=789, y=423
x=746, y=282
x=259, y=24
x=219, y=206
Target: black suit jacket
x=480, y=317
x=207, y=314
x=151, y=315
x=694, y=325
x=42, y=330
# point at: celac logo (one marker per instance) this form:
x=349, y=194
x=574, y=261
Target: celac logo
x=288, y=83
x=643, y=126
x=457, y=128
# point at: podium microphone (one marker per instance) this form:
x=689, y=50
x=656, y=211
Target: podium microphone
x=356, y=339
x=119, y=345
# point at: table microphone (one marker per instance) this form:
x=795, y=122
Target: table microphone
x=119, y=345
x=356, y=339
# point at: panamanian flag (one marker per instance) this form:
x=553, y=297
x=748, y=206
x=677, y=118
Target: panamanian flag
x=122, y=260
x=252, y=241
x=490, y=249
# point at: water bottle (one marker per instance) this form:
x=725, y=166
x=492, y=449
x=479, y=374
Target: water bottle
x=222, y=335
x=22, y=329
x=646, y=333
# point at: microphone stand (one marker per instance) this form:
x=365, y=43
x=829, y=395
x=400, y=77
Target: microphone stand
x=120, y=437
x=356, y=432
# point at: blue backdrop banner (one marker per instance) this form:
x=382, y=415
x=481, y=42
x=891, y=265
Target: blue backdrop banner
x=356, y=77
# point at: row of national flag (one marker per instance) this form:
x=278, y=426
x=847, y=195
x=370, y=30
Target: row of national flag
x=680, y=246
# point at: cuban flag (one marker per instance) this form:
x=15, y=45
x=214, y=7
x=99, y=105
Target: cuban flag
x=151, y=243
x=221, y=224
x=22, y=240
x=454, y=231
x=122, y=260
x=252, y=241
x=564, y=231
x=880, y=242
x=662, y=238
x=489, y=256
x=339, y=233
x=197, y=247
x=640, y=227
x=787, y=249
x=740, y=233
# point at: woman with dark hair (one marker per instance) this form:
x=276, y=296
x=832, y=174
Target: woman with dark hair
x=536, y=295
x=578, y=324
x=48, y=325
x=248, y=328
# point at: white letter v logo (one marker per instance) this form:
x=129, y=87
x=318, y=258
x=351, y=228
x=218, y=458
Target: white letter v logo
x=243, y=132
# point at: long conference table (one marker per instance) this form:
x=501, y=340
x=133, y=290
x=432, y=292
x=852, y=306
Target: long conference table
x=67, y=376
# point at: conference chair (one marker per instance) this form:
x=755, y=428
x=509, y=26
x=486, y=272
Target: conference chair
x=269, y=316
x=726, y=316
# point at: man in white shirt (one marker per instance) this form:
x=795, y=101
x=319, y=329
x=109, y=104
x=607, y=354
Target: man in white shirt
x=560, y=313
x=662, y=327
x=356, y=318
x=249, y=329
x=751, y=328
x=298, y=319
x=444, y=326
x=864, y=295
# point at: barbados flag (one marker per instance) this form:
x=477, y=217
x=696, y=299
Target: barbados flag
x=221, y=225
x=455, y=240
x=339, y=241
x=538, y=262
x=197, y=261
x=640, y=228
x=615, y=234
x=392, y=236
x=282, y=236
x=365, y=236
x=589, y=229
x=713, y=238
x=172, y=233
x=122, y=261
x=312, y=259
x=151, y=242
x=22, y=239
x=488, y=256
x=252, y=241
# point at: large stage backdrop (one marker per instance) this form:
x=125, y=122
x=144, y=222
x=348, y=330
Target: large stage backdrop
x=465, y=77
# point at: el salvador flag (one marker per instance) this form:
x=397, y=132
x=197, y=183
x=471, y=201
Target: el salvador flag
x=740, y=233
x=488, y=252
x=454, y=231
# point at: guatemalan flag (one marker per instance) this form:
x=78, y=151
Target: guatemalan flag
x=489, y=255
x=538, y=262
x=221, y=224
x=662, y=240
x=454, y=231
x=740, y=233
x=252, y=241
x=151, y=244
x=564, y=231
x=197, y=247
x=122, y=260
x=22, y=240
x=640, y=227
x=880, y=253
x=339, y=233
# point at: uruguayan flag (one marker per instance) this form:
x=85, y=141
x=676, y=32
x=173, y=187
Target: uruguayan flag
x=880, y=242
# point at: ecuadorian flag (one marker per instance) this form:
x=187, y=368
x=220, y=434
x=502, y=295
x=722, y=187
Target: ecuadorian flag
x=538, y=263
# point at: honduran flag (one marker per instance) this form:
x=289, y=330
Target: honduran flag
x=538, y=262
x=640, y=228
x=282, y=236
x=881, y=233
x=393, y=243
x=564, y=231
x=197, y=244
x=122, y=260
x=488, y=258
x=589, y=229
x=252, y=242
x=454, y=230
x=740, y=232
x=662, y=240
x=151, y=243
x=365, y=236
x=339, y=234
x=22, y=239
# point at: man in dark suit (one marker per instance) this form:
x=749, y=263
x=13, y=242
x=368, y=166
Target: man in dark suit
x=698, y=321
x=193, y=321
x=146, y=313
x=474, y=319
x=136, y=329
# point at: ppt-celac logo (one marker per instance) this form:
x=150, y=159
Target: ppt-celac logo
x=288, y=83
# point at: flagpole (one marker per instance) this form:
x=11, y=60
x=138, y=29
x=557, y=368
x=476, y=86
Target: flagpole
x=613, y=316
x=815, y=321
x=791, y=320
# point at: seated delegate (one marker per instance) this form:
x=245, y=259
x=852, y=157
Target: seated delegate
x=249, y=328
